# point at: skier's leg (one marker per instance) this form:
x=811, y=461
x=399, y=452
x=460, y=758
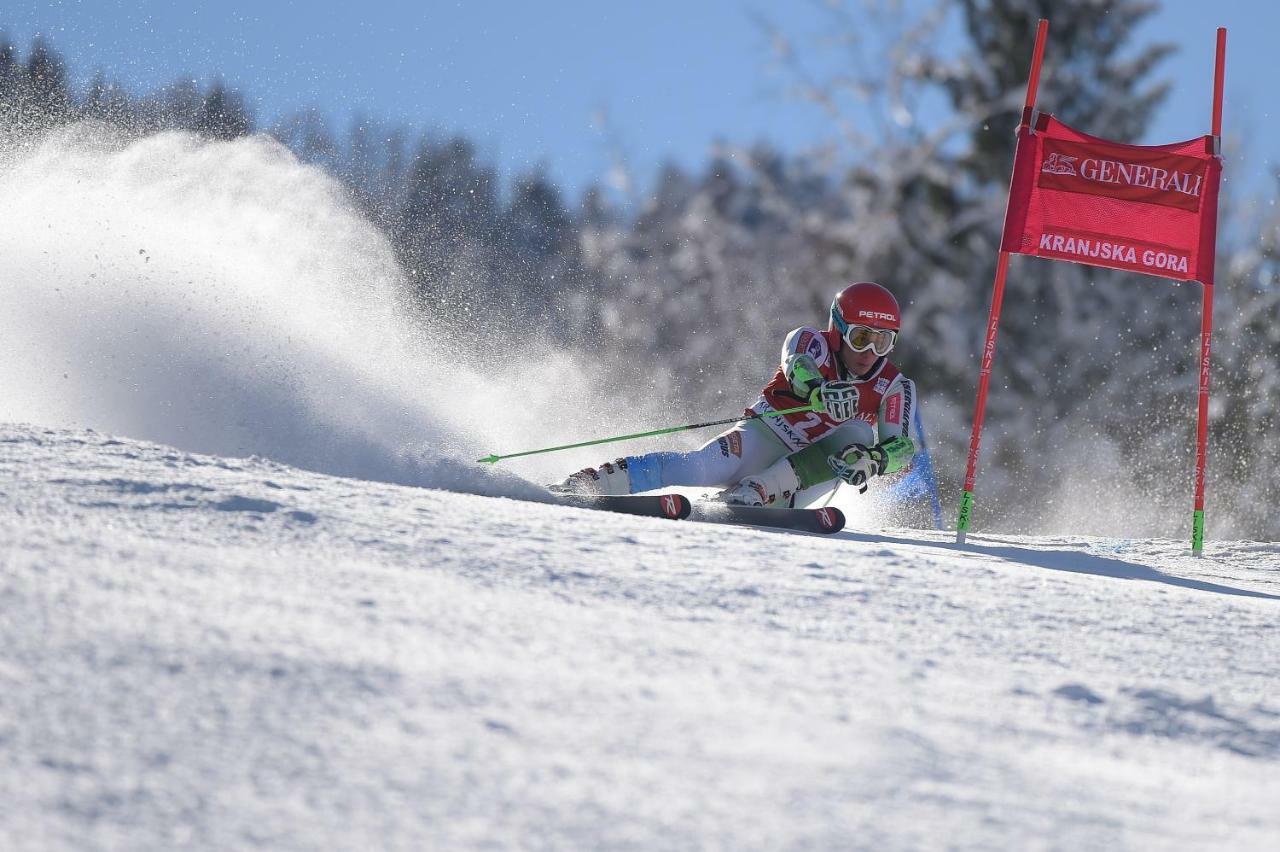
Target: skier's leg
x=609, y=478
x=720, y=461
x=778, y=483
x=810, y=464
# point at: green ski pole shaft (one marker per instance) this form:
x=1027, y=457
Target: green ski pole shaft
x=494, y=459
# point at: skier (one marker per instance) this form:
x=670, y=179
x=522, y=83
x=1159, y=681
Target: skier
x=861, y=426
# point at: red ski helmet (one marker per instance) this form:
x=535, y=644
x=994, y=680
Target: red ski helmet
x=869, y=306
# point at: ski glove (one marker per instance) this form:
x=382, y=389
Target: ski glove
x=838, y=400
x=803, y=374
x=857, y=464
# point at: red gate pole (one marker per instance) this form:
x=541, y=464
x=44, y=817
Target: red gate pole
x=1219, y=70
x=993, y=319
x=1202, y=420
x=1206, y=327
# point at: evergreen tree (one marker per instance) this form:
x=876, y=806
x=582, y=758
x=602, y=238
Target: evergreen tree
x=223, y=113
x=1089, y=79
x=10, y=85
x=1244, y=452
x=446, y=229
x=536, y=240
x=46, y=85
x=107, y=102
x=535, y=224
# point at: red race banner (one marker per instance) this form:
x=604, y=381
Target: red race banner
x=1150, y=209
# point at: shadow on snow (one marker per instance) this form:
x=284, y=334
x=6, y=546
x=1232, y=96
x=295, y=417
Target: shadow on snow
x=1075, y=562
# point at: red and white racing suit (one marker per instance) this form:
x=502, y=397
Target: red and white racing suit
x=885, y=396
x=886, y=401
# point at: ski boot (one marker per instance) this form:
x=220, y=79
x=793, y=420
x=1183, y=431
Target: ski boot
x=751, y=491
x=774, y=487
x=610, y=479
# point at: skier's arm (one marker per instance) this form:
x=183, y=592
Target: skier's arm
x=858, y=463
x=802, y=352
x=895, y=423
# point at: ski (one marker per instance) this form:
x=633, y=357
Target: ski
x=673, y=506
x=824, y=521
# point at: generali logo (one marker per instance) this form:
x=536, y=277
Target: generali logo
x=1126, y=172
x=1057, y=164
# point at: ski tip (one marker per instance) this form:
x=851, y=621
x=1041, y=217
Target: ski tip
x=676, y=506
x=830, y=519
x=489, y=460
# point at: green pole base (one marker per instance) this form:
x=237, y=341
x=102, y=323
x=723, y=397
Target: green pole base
x=1197, y=533
x=966, y=513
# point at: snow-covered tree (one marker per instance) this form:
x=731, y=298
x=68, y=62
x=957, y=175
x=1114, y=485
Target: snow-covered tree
x=1085, y=356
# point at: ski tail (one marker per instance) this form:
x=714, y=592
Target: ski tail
x=825, y=521
x=676, y=507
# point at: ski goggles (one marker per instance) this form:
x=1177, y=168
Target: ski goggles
x=879, y=340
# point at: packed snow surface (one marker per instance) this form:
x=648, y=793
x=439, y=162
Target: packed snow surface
x=226, y=652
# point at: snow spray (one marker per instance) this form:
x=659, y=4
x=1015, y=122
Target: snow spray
x=223, y=298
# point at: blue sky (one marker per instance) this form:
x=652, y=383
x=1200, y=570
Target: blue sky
x=530, y=80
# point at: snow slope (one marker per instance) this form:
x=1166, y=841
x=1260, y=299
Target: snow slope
x=231, y=653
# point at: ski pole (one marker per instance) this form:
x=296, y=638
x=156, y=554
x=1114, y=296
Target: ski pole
x=494, y=459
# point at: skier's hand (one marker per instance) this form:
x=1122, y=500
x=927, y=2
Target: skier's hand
x=857, y=464
x=839, y=400
x=803, y=374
